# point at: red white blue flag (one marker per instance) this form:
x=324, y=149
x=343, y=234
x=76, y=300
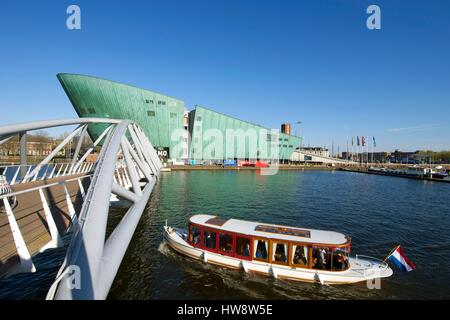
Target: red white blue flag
x=399, y=258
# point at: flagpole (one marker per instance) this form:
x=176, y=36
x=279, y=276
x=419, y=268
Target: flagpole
x=362, y=151
x=373, y=145
x=347, y=147
x=390, y=253
x=367, y=148
x=351, y=158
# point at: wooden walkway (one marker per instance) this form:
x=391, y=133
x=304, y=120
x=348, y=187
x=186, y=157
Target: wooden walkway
x=30, y=216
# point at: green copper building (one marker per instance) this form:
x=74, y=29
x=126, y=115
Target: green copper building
x=158, y=115
x=215, y=136
x=201, y=135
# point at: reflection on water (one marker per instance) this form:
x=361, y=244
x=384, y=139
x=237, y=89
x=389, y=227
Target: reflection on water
x=377, y=212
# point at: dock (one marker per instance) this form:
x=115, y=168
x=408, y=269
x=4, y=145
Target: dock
x=391, y=174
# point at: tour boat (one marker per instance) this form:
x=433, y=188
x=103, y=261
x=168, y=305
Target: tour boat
x=279, y=251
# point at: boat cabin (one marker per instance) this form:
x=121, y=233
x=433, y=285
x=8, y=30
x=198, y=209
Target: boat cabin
x=275, y=244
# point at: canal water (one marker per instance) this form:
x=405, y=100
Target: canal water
x=377, y=212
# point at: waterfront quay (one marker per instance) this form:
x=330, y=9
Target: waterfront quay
x=394, y=174
x=248, y=168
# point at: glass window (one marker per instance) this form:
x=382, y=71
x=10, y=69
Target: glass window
x=261, y=249
x=194, y=235
x=300, y=256
x=280, y=252
x=243, y=246
x=340, y=259
x=321, y=258
x=209, y=239
x=225, y=243
x=151, y=113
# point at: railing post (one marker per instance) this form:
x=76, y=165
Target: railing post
x=72, y=213
x=56, y=238
x=80, y=184
x=26, y=263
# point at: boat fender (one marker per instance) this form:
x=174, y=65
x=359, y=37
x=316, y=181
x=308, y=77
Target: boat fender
x=274, y=274
x=318, y=278
x=205, y=257
x=244, y=266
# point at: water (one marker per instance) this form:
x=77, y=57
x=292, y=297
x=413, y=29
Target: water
x=377, y=212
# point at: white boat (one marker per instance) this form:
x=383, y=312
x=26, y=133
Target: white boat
x=416, y=171
x=282, y=252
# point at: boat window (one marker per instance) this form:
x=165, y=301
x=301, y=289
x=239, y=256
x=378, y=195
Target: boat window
x=209, y=239
x=300, y=255
x=226, y=243
x=340, y=259
x=321, y=258
x=243, y=246
x=194, y=235
x=261, y=249
x=280, y=252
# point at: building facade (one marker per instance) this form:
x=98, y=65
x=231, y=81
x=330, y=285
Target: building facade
x=215, y=136
x=316, y=151
x=158, y=115
x=201, y=134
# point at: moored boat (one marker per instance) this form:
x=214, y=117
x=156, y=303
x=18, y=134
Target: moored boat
x=280, y=251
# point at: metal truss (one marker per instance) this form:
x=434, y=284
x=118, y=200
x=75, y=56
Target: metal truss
x=126, y=170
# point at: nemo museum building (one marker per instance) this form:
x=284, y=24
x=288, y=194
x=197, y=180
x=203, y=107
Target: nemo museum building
x=199, y=136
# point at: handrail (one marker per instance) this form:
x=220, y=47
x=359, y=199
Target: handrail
x=16, y=193
x=37, y=125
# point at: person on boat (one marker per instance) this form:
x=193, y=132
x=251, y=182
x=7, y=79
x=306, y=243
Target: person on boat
x=197, y=238
x=261, y=252
x=246, y=252
x=299, y=257
x=322, y=259
x=340, y=262
x=210, y=240
x=315, y=263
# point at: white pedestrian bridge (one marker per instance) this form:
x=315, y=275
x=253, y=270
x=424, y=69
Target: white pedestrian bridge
x=43, y=202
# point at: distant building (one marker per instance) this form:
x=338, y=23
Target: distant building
x=33, y=148
x=317, y=151
x=409, y=157
x=377, y=157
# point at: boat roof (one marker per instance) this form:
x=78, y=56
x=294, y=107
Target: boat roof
x=271, y=231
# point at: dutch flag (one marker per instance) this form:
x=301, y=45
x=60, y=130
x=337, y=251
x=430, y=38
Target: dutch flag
x=400, y=260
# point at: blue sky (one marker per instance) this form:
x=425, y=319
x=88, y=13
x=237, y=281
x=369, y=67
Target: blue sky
x=266, y=62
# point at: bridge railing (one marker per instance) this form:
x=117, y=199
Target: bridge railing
x=46, y=171
x=126, y=170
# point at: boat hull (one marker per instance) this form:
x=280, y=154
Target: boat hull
x=360, y=269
